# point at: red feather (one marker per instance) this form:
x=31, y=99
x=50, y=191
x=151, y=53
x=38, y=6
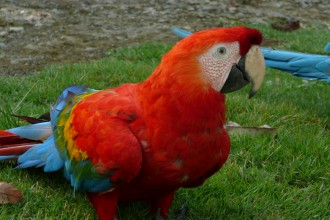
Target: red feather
x=11, y=144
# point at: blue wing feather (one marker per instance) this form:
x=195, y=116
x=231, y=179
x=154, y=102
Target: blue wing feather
x=181, y=33
x=307, y=66
x=40, y=131
x=64, y=99
x=324, y=66
x=94, y=183
x=327, y=47
x=30, y=163
x=307, y=61
x=9, y=157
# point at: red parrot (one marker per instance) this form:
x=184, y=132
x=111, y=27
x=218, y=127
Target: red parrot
x=144, y=141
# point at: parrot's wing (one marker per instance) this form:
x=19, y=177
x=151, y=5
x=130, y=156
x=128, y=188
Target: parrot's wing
x=93, y=135
x=327, y=47
x=180, y=32
x=307, y=66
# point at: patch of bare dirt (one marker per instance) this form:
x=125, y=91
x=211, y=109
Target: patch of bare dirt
x=36, y=33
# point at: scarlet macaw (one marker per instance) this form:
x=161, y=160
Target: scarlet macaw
x=144, y=141
x=306, y=66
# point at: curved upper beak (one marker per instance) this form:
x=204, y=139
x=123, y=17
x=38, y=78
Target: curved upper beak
x=250, y=68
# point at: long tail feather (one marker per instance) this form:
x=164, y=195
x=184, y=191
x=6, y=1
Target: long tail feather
x=38, y=132
x=31, y=120
x=32, y=146
x=14, y=150
x=7, y=138
x=11, y=157
x=12, y=145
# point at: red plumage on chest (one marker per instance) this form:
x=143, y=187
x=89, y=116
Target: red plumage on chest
x=183, y=141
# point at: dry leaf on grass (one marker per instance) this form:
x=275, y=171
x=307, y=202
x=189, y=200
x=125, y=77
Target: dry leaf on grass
x=9, y=194
x=234, y=128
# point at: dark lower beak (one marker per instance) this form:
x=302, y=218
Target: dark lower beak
x=250, y=68
x=237, y=77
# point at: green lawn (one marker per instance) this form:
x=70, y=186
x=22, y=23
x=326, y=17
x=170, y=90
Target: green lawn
x=265, y=177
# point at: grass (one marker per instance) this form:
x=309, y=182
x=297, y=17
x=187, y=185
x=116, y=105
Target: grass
x=265, y=177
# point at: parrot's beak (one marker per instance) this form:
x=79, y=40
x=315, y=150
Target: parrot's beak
x=250, y=68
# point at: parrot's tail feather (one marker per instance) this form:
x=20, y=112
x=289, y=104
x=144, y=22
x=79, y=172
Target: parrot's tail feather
x=32, y=120
x=14, y=150
x=32, y=146
x=42, y=155
x=11, y=157
x=12, y=145
x=37, y=132
x=9, y=139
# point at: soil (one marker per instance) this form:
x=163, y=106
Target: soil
x=36, y=33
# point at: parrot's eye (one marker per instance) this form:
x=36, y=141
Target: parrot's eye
x=222, y=51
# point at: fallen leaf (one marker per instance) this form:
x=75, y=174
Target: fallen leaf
x=9, y=194
x=234, y=128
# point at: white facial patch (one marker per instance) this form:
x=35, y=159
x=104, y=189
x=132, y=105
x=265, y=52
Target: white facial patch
x=217, y=62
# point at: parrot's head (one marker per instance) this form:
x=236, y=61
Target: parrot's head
x=225, y=59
